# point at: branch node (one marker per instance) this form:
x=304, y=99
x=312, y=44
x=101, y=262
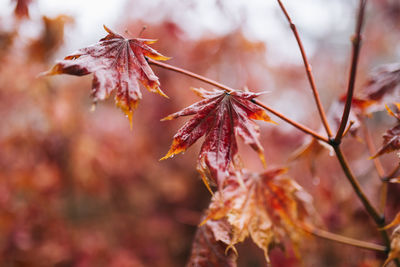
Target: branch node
x=334, y=142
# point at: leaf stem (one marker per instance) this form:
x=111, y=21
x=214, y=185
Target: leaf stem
x=229, y=89
x=356, y=46
x=307, y=66
x=343, y=239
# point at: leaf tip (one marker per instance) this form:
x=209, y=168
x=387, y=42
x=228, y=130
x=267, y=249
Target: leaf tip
x=176, y=148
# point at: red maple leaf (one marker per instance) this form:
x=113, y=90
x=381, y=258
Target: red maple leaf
x=117, y=64
x=220, y=116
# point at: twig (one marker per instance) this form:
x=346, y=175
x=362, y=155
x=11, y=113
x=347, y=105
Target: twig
x=228, y=89
x=356, y=45
x=293, y=123
x=308, y=71
x=379, y=220
x=344, y=240
x=392, y=174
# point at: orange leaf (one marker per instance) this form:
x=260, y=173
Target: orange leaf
x=395, y=222
x=266, y=208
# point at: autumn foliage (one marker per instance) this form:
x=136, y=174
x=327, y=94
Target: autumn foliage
x=79, y=187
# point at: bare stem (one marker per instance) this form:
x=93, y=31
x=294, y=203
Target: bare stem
x=308, y=71
x=392, y=174
x=228, y=89
x=344, y=240
x=379, y=220
x=356, y=45
x=190, y=74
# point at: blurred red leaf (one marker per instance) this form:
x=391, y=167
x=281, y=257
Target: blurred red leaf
x=391, y=139
x=263, y=206
x=51, y=38
x=219, y=117
x=210, y=246
x=118, y=64
x=383, y=86
x=22, y=8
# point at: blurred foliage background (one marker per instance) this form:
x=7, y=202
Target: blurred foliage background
x=79, y=188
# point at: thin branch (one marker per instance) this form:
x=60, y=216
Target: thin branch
x=228, y=89
x=344, y=240
x=308, y=71
x=356, y=45
x=392, y=174
x=379, y=220
x=293, y=123
x=190, y=74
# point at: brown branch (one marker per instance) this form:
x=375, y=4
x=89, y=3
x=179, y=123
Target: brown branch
x=228, y=89
x=356, y=45
x=379, y=220
x=308, y=71
x=190, y=74
x=344, y=240
x=293, y=123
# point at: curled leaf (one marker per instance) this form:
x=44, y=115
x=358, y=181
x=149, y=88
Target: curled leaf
x=210, y=245
x=118, y=64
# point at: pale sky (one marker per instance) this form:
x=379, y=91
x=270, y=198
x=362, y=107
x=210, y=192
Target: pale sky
x=264, y=21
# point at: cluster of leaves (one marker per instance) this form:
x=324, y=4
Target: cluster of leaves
x=118, y=64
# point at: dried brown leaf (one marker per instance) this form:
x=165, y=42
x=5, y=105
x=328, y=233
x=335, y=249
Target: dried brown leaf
x=267, y=208
x=210, y=245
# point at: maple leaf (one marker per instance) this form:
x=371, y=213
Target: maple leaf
x=391, y=139
x=117, y=64
x=210, y=244
x=219, y=116
x=264, y=206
